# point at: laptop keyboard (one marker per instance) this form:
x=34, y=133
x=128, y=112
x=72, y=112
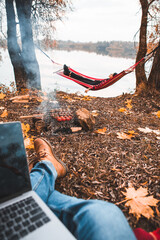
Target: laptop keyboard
x=20, y=219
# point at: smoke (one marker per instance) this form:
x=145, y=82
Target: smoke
x=50, y=103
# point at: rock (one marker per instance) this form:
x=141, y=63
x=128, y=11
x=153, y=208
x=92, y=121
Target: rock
x=85, y=119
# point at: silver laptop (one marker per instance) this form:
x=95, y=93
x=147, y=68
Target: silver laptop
x=23, y=215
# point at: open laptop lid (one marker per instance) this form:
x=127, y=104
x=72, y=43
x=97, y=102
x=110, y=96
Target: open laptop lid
x=14, y=175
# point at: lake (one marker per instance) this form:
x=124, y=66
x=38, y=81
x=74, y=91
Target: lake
x=89, y=64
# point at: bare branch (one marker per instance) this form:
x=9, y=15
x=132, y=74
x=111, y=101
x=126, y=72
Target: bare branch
x=151, y=2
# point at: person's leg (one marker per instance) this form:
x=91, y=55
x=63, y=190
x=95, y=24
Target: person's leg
x=43, y=177
x=86, y=219
x=90, y=219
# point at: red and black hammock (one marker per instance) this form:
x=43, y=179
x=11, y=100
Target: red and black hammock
x=96, y=83
x=93, y=83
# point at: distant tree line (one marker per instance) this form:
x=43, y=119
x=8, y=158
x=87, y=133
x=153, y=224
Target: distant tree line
x=112, y=48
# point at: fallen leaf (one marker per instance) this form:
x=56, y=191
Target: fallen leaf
x=86, y=98
x=131, y=132
x=157, y=113
x=101, y=131
x=77, y=98
x=148, y=130
x=25, y=129
x=4, y=114
x=122, y=110
x=145, y=130
x=139, y=203
x=128, y=104
x=2, y=96
x=124, y=135
x=28, y=143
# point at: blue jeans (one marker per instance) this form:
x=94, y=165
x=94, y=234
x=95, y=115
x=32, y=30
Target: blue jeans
x=85, y=219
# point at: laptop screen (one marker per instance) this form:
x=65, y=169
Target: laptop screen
x=14, y=176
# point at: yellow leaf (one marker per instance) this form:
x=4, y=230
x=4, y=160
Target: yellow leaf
x=124, y=136
x=77, y=98
x=28, y=143
x=139, y=203
x=25, y=129
x=2, y=95
x=122, y=110
x=86, y=98
x=101, y=131
x=4, y=114
x=128, y=104
x=128, y=101
x=158, y=114
x=131, y=132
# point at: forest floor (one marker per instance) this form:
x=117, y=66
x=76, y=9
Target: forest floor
x=103, y=164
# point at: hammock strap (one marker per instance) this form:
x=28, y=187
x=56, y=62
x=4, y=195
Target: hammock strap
x=48, y=56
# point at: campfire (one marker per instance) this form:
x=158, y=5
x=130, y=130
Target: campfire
x=51, y=117
x=57, y=119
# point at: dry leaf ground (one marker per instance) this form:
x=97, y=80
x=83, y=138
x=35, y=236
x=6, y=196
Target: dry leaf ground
x=102, y=166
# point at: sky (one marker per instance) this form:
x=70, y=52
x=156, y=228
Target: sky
x=101, y=20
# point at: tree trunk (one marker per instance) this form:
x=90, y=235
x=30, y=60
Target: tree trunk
x=140, y=70
x=26, y=69
x=13, y=47
x=154, y=77
x=28, y=50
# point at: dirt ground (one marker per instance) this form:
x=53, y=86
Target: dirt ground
x=101, y=165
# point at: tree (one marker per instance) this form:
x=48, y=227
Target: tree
x=22, y=56
x=22, y=51
x=154, y=77
x=153, y=81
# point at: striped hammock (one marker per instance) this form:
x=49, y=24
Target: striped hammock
x=94, y=83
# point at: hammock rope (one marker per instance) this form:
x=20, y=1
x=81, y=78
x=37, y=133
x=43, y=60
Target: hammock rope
x=96, y=83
